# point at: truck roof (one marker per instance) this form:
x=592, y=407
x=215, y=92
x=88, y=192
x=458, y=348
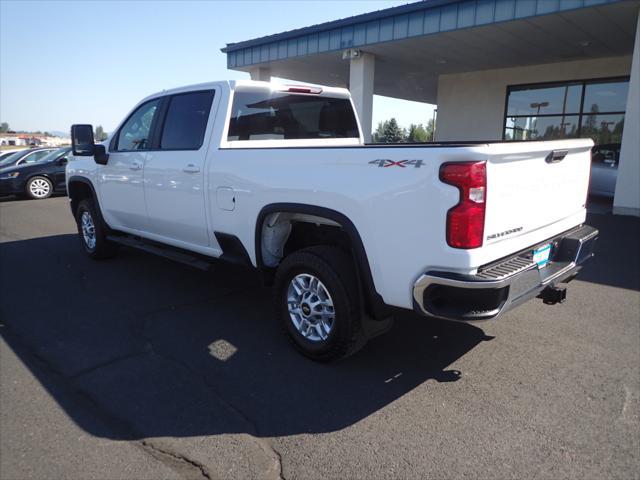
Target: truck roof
x=232, y=84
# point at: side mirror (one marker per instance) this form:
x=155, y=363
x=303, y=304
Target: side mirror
x=82, y=143
x=62, y=161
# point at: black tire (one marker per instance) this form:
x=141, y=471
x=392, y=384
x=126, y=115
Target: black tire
x=335, y=269
x=36, y=185
x=101, y=248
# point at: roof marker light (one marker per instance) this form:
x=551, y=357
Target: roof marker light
x=301, y=89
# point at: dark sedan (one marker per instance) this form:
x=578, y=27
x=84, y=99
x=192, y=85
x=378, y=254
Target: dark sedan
x=38, y=179
x=28, y=155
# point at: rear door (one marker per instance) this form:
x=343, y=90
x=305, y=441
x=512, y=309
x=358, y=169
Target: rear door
x=174, y=169
x=532, y=185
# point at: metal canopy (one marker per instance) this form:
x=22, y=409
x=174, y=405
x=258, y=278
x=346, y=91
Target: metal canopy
x=470, y=36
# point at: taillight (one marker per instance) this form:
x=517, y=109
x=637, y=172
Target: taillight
x=465, y=221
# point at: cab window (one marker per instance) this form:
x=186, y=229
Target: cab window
x=259, y=114
x=186, y=121
x=135, y=133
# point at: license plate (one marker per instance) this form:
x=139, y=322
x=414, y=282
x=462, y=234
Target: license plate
x=541, y=255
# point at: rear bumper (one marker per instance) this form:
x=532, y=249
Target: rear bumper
x=505, y=284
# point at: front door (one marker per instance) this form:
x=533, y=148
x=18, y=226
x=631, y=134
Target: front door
x=121, y=179
x=175, y=171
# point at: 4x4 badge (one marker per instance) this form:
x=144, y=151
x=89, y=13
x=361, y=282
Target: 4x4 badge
x=385, y=162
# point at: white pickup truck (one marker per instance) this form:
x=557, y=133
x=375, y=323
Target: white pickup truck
x=278, y=178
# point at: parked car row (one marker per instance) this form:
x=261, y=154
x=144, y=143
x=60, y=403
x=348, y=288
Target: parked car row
x=39, y=172
x=36, y=173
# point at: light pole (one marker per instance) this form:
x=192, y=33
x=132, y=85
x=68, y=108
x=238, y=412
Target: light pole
x=605, y=129
x=538, y=106
x=433, y=129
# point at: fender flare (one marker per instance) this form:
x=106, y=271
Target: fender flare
x=373, y=302
x=86, y=181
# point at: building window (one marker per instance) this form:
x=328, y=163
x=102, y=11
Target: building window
x=592, y=108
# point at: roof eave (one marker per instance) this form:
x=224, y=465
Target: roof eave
x=344, y=22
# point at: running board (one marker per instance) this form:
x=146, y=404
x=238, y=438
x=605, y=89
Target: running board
x=167, y=252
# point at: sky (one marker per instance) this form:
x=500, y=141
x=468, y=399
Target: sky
x=65, y=62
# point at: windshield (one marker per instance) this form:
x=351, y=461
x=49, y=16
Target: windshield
x=12, y=158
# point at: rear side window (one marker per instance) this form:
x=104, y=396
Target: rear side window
x=268, y=115
x=186, y=121
x=35, y=156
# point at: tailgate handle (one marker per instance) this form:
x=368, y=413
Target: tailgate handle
x=556, y=156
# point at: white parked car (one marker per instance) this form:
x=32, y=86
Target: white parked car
x=278, y=178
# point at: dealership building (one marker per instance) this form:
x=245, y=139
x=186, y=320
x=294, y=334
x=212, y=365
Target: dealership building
x=496, y=69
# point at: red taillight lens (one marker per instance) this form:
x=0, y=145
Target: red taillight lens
x=465, y=221
x=301, y=89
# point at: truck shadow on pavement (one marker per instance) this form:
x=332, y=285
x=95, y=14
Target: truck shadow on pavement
x=139, y=347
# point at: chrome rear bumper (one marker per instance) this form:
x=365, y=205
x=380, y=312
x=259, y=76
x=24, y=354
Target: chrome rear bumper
x=503, y=285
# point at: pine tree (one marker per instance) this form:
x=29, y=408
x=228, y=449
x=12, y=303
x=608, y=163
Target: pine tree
x=392, y=133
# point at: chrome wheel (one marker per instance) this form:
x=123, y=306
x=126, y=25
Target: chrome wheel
x=88, y=230
x=39, y=188
x=310, y=307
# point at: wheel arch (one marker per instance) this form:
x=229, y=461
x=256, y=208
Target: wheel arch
x=80, y=188
x=373, y=301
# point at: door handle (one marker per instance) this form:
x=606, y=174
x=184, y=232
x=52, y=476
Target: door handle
x=135, y=166
x=191, y=168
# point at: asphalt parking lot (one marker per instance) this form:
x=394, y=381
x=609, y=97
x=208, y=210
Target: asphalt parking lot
x=138, y=367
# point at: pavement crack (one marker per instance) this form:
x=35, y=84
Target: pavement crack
x=178, y=461
x=252, y=430
x=279, y=463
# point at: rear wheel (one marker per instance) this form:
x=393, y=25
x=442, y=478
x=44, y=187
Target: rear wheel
x=317, y=303
x=39, y=188
x=92, y=231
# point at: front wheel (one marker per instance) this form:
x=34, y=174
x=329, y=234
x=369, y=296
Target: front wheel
x=93, y=232
x=317, y=303
x=39, y=188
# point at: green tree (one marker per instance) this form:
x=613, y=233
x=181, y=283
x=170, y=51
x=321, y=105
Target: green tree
x=417, y=133
x=389, y=132
x=100, y=134
x=4, y=127
x=430, y=129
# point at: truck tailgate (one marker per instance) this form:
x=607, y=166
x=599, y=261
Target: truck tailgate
x=532, y=185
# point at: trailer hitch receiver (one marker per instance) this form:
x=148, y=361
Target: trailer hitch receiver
x=553, y=295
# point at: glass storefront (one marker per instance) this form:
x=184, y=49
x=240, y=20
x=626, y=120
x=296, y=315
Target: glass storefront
x=593, y=108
